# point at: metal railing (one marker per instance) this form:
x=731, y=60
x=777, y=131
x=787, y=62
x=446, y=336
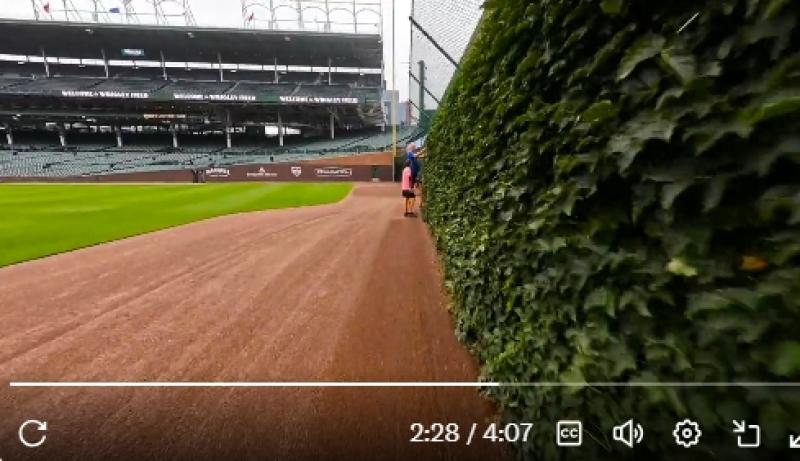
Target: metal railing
x=352, y=16
x=337, y=16
x=161, y=12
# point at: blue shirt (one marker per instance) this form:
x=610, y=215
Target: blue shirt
x=414, y=162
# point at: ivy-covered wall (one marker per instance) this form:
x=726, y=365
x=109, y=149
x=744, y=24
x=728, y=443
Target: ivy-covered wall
x=614, y=188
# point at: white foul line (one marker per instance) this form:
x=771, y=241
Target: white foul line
x=358, y=384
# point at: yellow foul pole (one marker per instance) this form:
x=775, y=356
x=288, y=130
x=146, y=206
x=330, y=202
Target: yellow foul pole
x=393, y=104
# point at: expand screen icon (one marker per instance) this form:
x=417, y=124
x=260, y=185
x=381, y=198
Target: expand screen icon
x=747, y=436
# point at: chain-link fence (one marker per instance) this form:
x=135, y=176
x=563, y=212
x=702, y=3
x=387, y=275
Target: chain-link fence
x=440, y=31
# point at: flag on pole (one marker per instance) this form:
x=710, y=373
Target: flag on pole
x=46, y=7
x=251, y=17
x=114, y=10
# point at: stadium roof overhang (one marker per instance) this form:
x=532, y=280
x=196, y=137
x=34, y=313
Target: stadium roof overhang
x=192, y=44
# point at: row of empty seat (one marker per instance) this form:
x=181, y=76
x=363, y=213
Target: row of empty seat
x=41, y=162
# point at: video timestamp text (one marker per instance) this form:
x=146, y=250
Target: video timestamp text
x=453, y=433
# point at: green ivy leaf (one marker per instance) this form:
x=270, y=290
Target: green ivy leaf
x=787, y=148
x=710, y=69
x=714, y=192
x=706, y=135
x=603, y=298
x=573, y=375
x=787, y=359
x=630, y=140
x=636, y=298
x=671, y=191
x=774, y=8
x=643, y=49
x=611, y=7
x=721, y=299
x=530, y=61
x=780, y=199
x=678, y=266
x=681, y=63
x=644, y=195
x=667, y=96
x=599, y=111
x=776, y=28
x=774, y=106
x=507, y=215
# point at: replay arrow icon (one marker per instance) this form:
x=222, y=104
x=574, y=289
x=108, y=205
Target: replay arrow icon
x=40, y=426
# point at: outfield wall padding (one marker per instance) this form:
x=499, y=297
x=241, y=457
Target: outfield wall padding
x=275, y=172
x=299, y=172
x=171, y=176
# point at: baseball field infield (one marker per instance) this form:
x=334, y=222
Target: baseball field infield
x=41, y=220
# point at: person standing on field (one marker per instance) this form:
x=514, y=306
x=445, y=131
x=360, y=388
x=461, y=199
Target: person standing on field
x=411, y=156
x=407, y=184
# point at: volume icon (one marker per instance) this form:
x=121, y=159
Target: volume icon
x=629, y=433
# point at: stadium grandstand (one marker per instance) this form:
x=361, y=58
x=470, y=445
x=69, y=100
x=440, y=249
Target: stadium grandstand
x=90, y=98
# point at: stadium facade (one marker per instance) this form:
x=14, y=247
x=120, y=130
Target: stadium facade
x=93, y=98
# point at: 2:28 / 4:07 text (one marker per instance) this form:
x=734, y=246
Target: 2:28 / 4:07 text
x=453, y=433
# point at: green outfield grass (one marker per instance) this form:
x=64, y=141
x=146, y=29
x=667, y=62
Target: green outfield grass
x=37, y=220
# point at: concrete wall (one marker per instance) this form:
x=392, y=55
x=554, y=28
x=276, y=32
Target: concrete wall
x=277, y=172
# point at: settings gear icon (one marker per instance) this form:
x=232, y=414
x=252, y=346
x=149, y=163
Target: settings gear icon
x=687, y=433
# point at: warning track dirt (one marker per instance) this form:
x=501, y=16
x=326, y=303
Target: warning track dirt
x=344, y=292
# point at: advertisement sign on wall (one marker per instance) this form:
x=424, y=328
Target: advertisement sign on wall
x=218, y=173
x=262, y=173
x=214, y=97
x=244, y=173
x=309, y=172
x=317, y=100
x=104, y=94
x=333, y=172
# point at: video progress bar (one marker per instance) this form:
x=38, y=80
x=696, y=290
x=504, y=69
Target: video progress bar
x=393, y=384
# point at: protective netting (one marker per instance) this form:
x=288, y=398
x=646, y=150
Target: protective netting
x=451, y=24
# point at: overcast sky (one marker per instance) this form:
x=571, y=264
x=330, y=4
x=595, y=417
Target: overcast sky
x=228, y=13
